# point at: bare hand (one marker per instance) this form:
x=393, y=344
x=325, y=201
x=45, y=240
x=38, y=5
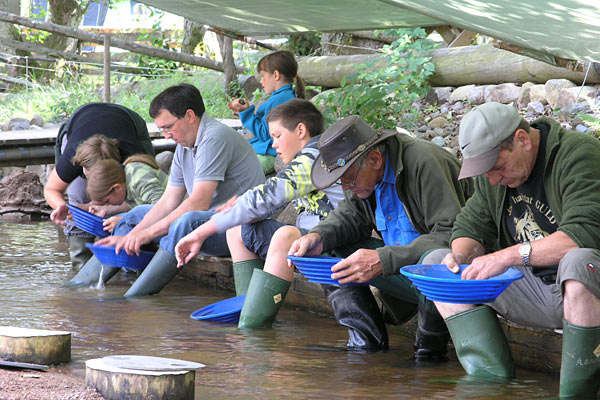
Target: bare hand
x=110, y=223
x=59, y=215
x=237, y=105
x=451, y=263
x=228, y=205
x=133, y=242
x=110, y=241
x=187, y=248
x=361, y=266
x=98, y=210
x=484, y=267
x=307, y=245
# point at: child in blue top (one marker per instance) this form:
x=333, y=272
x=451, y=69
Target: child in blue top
x=277, y=72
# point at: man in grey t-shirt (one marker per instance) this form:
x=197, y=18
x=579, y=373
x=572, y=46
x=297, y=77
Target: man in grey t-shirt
x=212, y=163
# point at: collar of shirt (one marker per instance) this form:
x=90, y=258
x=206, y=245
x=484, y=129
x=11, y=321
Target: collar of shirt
x=389, y=176
x=283, y=88
x=390, y=217
x=201, y=128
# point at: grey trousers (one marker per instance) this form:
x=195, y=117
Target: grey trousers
x=531, y=302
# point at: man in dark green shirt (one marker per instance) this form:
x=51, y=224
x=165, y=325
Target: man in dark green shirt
x=407, y=190
x=536, y=208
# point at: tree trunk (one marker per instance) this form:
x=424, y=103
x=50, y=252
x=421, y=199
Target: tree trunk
x=231, y=83
x=66, y=13
x=339, y=43
x=193, y=34
x=8, y=31
x=480, y=65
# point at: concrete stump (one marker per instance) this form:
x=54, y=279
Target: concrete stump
x=139, y=377
x=35, y=346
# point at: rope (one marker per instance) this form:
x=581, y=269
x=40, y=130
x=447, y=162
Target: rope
x=583, y=83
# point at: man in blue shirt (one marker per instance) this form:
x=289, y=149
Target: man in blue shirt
x=405, y=189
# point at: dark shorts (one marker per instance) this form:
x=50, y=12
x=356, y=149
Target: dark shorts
x=257, y=237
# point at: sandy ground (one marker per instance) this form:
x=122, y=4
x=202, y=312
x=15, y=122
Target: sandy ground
x=37, y=385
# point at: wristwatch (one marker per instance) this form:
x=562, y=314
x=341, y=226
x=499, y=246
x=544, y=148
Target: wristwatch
x=525, y=252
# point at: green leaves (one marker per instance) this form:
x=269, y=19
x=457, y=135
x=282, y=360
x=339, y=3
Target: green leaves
x=383, y=97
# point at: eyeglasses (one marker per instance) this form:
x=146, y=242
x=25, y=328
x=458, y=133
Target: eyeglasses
x=168, y=128
x=346, y=181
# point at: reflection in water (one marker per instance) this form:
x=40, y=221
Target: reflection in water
x=297, y=359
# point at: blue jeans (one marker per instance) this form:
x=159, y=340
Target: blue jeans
x=215, y=245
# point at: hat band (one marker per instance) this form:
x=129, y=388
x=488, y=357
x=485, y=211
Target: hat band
x=340, y=162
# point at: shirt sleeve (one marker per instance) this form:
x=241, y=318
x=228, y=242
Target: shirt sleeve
x=262, y=201
x=143, y=183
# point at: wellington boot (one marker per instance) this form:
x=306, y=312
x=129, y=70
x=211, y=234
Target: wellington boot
x=580, y=366
x=89, y=274
x=394, y=310
x=431, y=342
x=160, y=271
x=78, y=253
x=242, y=273
x=355, y=308
x=481, y=346
x=265, y=296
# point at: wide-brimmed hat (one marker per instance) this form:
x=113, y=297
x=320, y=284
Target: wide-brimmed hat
x=341, y=145
x=481, y=134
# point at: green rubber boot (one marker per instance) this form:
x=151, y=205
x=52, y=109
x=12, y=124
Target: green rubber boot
x=480, y=344
x=160, y=271
x=580, y=366
x=242, y=273
x=89, y=274
x=78, y=253
x=263, y=301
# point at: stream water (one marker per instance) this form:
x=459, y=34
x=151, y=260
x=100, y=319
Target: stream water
x=297, y=359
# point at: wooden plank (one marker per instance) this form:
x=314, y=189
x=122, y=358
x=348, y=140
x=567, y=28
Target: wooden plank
x=48, y=135
x=447, y=32
x=463, y=39
x=13, y=364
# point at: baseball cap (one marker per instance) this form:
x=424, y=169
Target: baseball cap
x=481, y=133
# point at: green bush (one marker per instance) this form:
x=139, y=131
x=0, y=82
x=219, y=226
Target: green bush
x=383, y=96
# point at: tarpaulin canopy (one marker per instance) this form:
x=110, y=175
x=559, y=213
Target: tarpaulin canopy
x=565, y=28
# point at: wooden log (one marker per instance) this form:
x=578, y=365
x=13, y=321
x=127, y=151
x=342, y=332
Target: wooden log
x=139, y=377
x=18, y=81
x=34, y=48
x=37, y=346
x=93, y=38
x=458, y=66
x=372, y=36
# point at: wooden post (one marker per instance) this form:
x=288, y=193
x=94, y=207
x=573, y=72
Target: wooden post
x=107, y=68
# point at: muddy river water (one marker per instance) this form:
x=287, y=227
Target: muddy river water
x=298, y=359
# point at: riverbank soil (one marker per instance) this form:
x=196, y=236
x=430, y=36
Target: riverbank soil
x=18, y=384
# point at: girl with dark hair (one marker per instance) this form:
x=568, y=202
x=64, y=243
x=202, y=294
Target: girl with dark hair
x=278, y=71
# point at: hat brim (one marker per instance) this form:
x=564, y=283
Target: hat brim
x=479, y=165
x=323, y=179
